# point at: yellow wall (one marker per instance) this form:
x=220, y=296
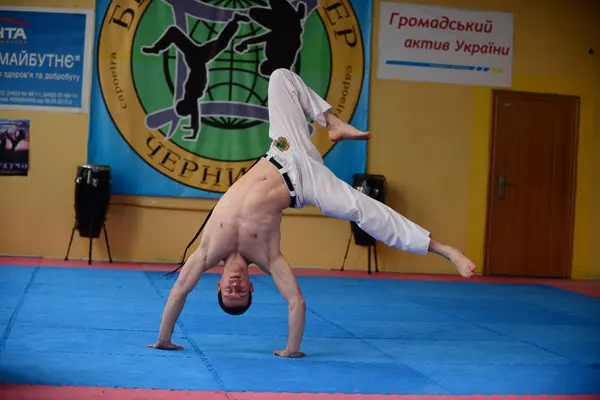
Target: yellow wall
x=430, y=140
x=594, y=261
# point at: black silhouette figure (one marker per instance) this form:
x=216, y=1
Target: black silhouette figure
x=283, y=40
x=197, y=56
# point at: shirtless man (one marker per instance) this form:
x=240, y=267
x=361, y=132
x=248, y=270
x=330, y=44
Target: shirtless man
x=244, y=227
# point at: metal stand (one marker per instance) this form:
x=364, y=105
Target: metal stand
x=374, y=246
x=90, y=248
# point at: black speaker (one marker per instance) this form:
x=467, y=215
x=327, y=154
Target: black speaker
x=373, y=186
x=92, y=196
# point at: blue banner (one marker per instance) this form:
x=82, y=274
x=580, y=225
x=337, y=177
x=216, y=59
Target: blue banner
x=45, y=58
x=179, y=90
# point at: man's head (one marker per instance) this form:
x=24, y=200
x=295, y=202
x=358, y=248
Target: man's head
x=234, y=289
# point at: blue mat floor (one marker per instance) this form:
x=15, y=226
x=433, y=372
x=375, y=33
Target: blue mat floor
x=90, y=327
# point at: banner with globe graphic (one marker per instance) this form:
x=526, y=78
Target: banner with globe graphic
x=179, y=93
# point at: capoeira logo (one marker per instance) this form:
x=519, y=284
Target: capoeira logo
x=282, y=143
x=186, y=82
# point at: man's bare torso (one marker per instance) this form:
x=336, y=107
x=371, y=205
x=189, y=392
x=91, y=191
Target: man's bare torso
x=247, y=218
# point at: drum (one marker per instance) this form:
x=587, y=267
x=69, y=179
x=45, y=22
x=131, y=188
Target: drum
x=92, y=196
x=373, y=186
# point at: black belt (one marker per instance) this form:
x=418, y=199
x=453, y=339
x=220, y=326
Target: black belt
x=287, y=180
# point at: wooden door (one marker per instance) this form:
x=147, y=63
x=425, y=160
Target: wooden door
x=532, y=185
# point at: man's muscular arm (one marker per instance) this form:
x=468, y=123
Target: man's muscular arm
x=188, y=278
x=284, y=279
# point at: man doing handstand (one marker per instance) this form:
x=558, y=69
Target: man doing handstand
x=244, y=227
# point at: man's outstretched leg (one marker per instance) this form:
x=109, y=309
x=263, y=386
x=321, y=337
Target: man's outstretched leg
x=337, y=199
x=291, y=101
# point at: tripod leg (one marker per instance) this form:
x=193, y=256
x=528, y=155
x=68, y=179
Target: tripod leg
x=90, y=250
x=347, y=248
x=369, y=255
x=71, y=240
x=107, y=245
x=375, y=253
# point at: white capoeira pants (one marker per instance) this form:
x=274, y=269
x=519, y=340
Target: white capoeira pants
x=290, y=103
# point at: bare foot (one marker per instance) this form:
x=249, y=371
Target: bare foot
x=346, y=131
x=463, y=265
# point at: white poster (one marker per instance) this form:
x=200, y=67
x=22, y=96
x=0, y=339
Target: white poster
x=448, y=45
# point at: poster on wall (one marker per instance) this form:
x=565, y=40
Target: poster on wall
x=180, y=89
x=14, y=147
x=45, y=58
x=446, y=45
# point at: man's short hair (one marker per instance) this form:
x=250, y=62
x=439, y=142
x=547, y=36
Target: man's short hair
x=235, y=310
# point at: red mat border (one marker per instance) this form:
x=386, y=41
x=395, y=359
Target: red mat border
x=586, y=287
x=42, y=392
